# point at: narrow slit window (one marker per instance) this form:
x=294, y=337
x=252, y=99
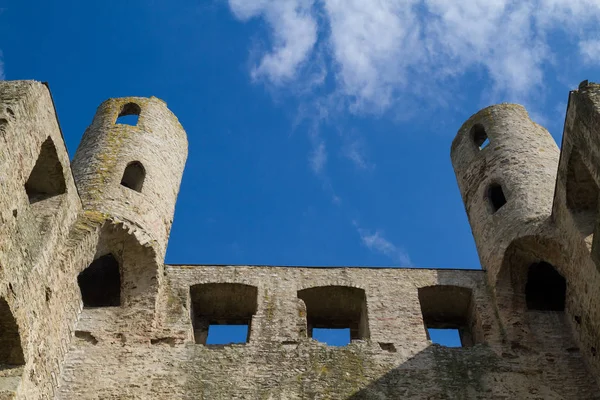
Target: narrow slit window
x=134, y=176
x=129, y=114
x=333, y=311
x=46, y=180
x=100, y=283
x=227, y=334
x=480, y=137
x=222, y=312
x=545, y=289
x=496, y=196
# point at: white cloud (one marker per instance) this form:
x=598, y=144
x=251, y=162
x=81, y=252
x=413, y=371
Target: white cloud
x=294, y=34
x=381, y=50
x=590, y=50
x=376, y=242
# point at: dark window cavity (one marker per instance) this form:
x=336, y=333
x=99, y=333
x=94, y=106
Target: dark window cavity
x=480, y=137
x=446, y=309
x=496, y=196
x=11, y=352
x=545, y=289
x=337, y=309
x=222, y=312
x=46, y=180
x=133, y=176
x=129, y=114
x=100, y=283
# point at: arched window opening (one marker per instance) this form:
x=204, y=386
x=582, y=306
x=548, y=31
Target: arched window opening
x=496, y=197
x=480, y=137
x=545, y=289
x=222, y=312
x=100, y=283
x=449, y=315
x=129, y=114
x=336, y=315
x=46, y=180
x=582, y=196
x=133, y=176
x=11, y=351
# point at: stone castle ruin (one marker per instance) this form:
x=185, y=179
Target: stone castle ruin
x=89, y=310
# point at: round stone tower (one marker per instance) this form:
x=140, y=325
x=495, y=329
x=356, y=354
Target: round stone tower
x=505, y=165
x=129, y=166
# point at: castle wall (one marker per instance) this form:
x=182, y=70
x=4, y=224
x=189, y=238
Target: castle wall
x=575, y=212
x=152, y=342
x=38, y=205
x=397, y=360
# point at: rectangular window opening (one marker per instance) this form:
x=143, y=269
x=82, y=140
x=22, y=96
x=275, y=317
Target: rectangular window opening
x=222, y=312
x=332, y=336
x=445, y=337
x=227, y=334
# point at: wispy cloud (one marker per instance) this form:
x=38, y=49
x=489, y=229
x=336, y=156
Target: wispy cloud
x=318, y=158
x=380, y=50
x=376, y=242
x=590, y=50
x=354, y=150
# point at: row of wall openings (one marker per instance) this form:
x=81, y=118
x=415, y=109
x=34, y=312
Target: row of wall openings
x=222, y=313
x=494, y=192
x=336, y=315
x=135, y=173
x=129, y=114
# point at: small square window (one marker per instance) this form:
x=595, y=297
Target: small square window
x=332, y=336
x=445, y=337
x=227, y=334
x=129, y=114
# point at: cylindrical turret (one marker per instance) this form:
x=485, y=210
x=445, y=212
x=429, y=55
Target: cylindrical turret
x=505, y=165
x=131, y=170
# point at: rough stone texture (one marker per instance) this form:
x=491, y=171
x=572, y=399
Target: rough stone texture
x=150, y=345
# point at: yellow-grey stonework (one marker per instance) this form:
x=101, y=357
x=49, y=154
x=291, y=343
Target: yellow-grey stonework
x=57, y=218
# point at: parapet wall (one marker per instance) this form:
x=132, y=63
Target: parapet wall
x=279, y=361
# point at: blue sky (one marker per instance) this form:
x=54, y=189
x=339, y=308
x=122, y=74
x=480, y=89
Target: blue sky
x=319, y=130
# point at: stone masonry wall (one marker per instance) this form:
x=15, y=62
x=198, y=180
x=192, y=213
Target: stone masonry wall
x=150, y=346
x=280, y=362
